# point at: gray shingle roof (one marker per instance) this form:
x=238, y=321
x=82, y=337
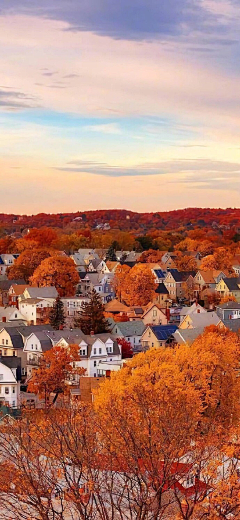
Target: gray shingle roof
x=42, y=292
x=131, y=328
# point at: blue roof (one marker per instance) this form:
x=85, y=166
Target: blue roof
x=159, y=273
x=163, y=332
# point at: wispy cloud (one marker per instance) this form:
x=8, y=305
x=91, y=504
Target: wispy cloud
x=15, y=100
x=210, y=167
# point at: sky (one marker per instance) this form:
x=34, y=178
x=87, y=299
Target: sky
x=129, y=104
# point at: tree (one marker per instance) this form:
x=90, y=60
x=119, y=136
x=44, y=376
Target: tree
x=150, y=256
x=56, y=368
x=56, y=315
x=44, y=237
x=57, y=271
x=126, y=347
x=27, y=263
x=139, y=286
x=91, y=316
x=220, y=260
x=120, y=278
x=185, y=262
x=111, y=253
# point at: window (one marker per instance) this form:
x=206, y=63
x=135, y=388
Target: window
x=23, y=371
x=13, y=389
x=3, y=341
x=95, y=351
x=154, y=312
x=95, y=363
x=100, y=351
x=5, y=352
x=32, y=347
x=13, y=403
x=6, y=341
x=6, y=390
x=95, y=375
x=14, y=352
x=15, y=315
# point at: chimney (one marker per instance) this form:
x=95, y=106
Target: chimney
x=92, y=333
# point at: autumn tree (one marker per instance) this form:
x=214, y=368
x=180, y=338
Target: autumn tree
x=57, y=271
x=6, y=245
x=126, y=348
x=27, y=263
x=221, y=259
x=119, y=282
x=91, y=316
x=56, y=369
x=150, y=256
x=185, y=262
x=139, y=286
x=44, y=237
x=56, y=315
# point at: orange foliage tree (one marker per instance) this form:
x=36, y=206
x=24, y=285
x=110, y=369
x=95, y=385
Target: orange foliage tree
x=26, y=263
x=221, y=259
x=153, y=443
x=58, y=271
x=134, y=286
x=44, y=237
x=55, y=372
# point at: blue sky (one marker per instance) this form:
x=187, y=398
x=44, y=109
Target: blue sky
x=119, y=104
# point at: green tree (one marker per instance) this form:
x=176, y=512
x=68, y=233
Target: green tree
x=111, y=253
x=56, y=316
x=91, y=317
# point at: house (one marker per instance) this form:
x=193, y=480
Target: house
x=194, y=309
x=187, y=336
x=101, y=283
x=35, y=344
x=229, y=287
x=97, y=265
x=112, y=266
x=159, y=275
x=39, y=292
x=18, y=341
x=207, y=280
x=79, y=262
x=10, y=377
x=14, y=292
x=94, y=349
x=131, y=331
x=158, y=336
x=176, y=281
x=202, y=320
x=115, y=307
x=162, y=297
x=154, y=315
x=168, y=259
x=72, y=307
x=228, y=311
x=36, y=310
x=4, y=289
x=9, y=314
x=6, y=260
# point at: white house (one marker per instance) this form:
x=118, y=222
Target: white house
x=9, y=386
x=94, y=350
x=6, y=260
x=36, y=310
x=9, y=314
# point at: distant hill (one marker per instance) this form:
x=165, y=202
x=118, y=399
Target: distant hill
x=127, y=220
